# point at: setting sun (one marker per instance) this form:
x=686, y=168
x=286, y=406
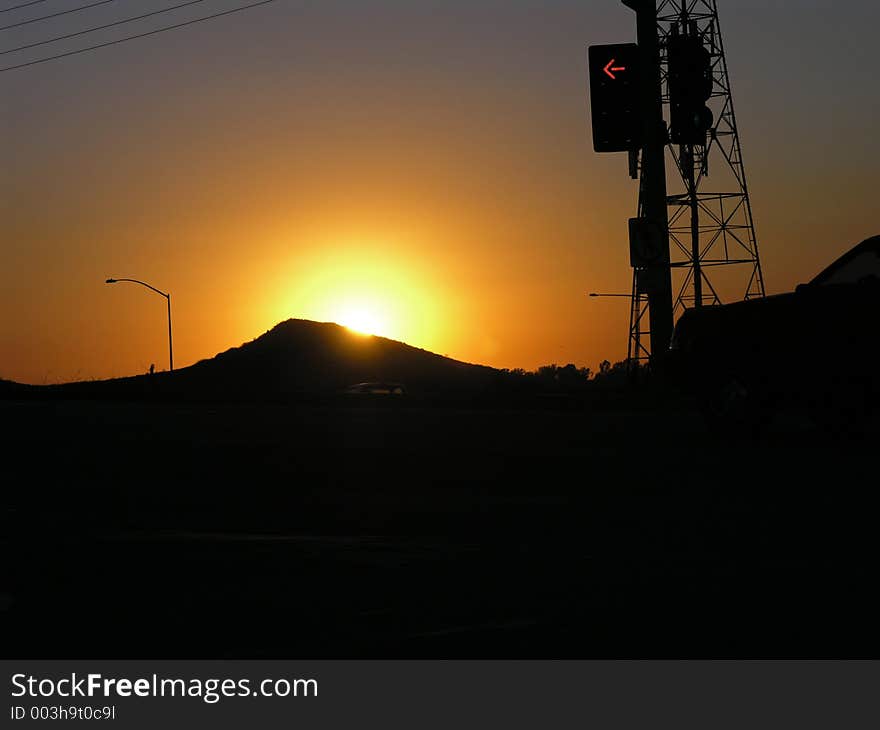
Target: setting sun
x=365, y=319
x=370, y=286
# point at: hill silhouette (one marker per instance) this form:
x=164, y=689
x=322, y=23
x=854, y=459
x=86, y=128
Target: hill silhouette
x=302, y=356
x=296, y=357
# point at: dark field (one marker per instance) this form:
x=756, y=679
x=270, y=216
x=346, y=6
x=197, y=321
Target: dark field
x=369, y=528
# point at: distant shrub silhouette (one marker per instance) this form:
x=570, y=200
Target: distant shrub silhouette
x=549, y=378
x=621, y=373
x=568, y=376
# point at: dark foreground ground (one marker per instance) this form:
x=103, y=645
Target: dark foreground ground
x=368, y=529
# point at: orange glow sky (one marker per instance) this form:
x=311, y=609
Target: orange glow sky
x=427, y=165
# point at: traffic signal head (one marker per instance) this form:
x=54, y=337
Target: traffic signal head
x=615, y=97
x=690, y=86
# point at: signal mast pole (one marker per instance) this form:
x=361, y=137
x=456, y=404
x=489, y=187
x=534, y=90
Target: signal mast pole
x=655, y=279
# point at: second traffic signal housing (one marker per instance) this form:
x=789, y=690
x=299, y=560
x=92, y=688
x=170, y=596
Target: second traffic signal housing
x=690, y=86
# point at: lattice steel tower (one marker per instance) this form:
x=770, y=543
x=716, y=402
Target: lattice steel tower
x=713, y=246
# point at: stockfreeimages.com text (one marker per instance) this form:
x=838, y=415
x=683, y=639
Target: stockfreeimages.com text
x=209, y=690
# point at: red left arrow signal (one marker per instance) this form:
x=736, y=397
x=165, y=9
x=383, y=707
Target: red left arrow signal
x=611, y=67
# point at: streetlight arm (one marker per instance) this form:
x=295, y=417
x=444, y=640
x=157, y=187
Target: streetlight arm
x=142, y=283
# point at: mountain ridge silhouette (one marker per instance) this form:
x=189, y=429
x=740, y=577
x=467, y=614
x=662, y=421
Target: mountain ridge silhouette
x=295, y=357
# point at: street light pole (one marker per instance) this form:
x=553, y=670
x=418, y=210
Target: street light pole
x=168, y=301
x=170, y=345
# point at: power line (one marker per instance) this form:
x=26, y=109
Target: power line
x=23, y=5
x=139, y=35
x=55, y=15
x=101, y=27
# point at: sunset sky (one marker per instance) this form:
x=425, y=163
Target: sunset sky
x=423, y=168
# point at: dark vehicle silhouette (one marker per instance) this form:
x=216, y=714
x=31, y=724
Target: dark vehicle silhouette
x=815, y=347
x=376, y=389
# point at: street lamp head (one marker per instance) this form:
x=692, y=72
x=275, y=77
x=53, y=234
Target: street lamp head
x=110, y=281
x=594, y=295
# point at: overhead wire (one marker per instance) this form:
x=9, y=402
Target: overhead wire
x=23, y=5
x=99, y=27
x=136, y=36
x=55, y=15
